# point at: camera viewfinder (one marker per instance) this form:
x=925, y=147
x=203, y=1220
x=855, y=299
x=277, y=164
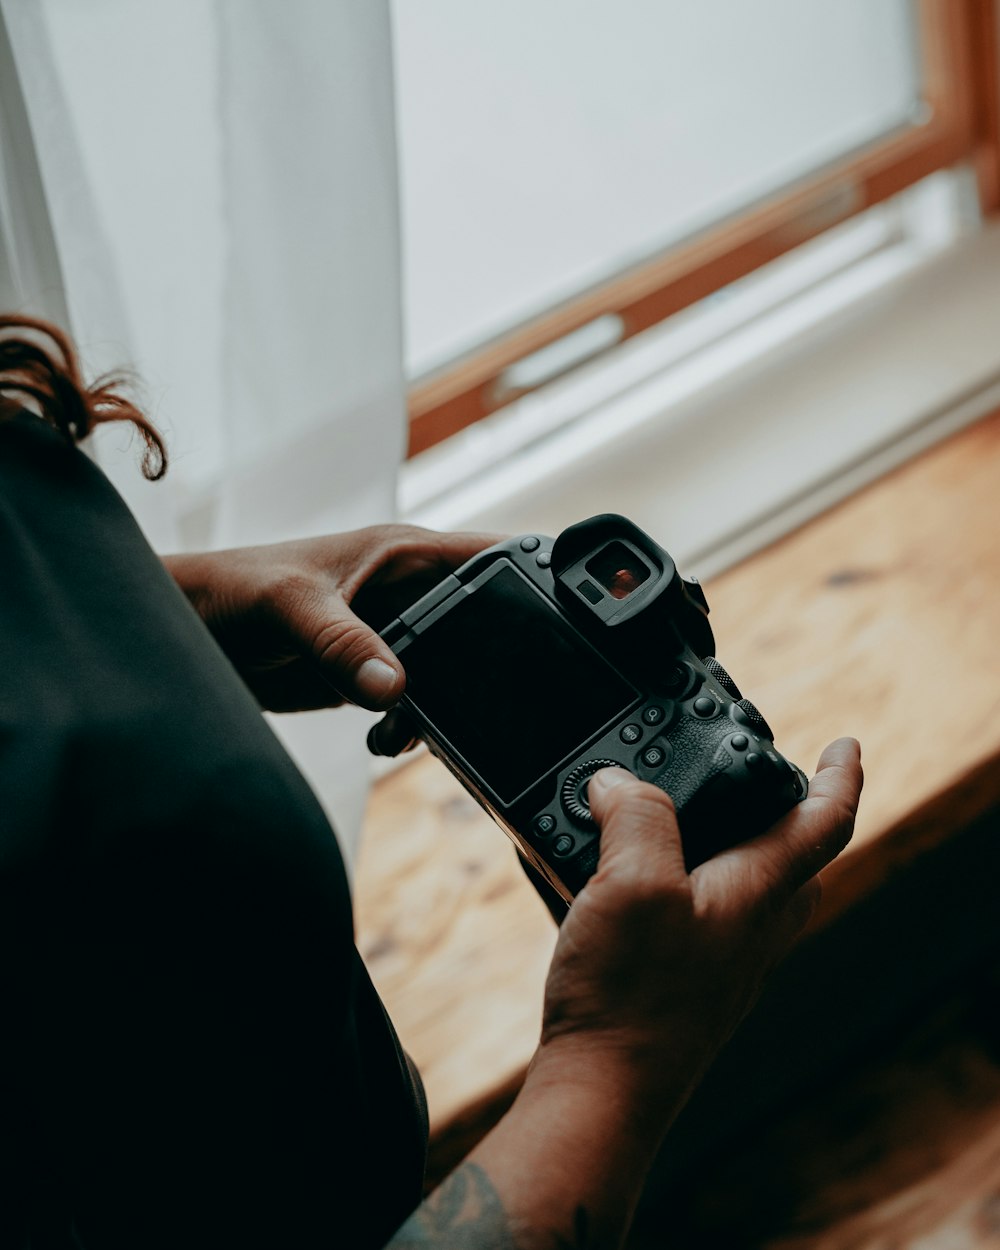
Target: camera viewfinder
x=618, y=570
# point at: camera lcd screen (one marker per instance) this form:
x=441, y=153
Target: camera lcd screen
x=510, y=685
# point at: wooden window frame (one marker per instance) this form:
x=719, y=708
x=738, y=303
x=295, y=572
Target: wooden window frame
x=960, y=88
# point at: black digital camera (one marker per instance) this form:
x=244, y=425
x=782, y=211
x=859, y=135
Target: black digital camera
x=539, y=662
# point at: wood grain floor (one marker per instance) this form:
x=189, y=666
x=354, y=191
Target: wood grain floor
x=902, y=1152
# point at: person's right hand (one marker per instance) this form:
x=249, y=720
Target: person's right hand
x=655, y=967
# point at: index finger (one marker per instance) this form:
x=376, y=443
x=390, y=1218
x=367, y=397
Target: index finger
x=456, y=547
x=779, y=862
x=403, y=563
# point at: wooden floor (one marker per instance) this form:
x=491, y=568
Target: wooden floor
x=902, y=1152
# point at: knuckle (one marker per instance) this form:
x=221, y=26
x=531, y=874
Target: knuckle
x=652, y=891
x=812, y=893
x=639, y=891
x=765, y=885
x=284, y=587
x=398, y=537
x=839, y=832
x=396, y=544
x=342, y=641
x=805, y=901
x=792, y=878
x=773, y=880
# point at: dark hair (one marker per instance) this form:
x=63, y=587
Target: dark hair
x=39, y=370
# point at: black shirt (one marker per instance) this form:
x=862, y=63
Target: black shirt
x=191, y=1052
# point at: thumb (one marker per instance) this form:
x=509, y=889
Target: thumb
x=355, y=660
x=639, y=834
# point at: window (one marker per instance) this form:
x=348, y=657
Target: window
x=573, y=174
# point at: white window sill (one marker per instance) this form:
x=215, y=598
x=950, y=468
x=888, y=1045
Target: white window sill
x=717, y=461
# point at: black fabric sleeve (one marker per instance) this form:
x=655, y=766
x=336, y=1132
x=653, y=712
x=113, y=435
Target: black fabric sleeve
x=193, y=1054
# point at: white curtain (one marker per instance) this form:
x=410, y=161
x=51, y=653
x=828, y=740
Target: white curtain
x=218, y=183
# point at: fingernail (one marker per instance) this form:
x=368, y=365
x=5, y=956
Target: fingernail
x=606, y=778
x=376, y=679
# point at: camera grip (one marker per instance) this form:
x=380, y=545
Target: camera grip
x=724, y=795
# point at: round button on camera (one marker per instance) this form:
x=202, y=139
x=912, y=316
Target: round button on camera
x=653, y=715
x=563, y=844
x=574, y=790
x=677, y=680
x=545, y=824
x=630, y=733
x=705, y=707
x=653, y=757
x=531, y=543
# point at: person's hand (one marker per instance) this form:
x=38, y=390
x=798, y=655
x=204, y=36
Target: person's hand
x=299, y=620
x=654, y=967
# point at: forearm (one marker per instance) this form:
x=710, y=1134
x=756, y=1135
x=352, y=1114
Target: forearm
x=563, y=1170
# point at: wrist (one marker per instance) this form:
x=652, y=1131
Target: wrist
x=578, y=1142
x=642, y=1088
x=187, y=571
x=201, y=579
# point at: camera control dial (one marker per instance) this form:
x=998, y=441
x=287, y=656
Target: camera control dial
x=574, y=790
x=715, y=669
x=751, y=716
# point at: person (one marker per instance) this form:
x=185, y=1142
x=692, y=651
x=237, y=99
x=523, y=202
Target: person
x=193, y=1053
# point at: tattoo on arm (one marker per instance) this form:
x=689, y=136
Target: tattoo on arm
x=465, y=1213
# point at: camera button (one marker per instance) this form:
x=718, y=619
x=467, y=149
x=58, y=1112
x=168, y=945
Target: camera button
x=545, y=824
x=677, y=678
x=653, y=715
x=739, y=742
x=679, y=681
x=749, y=715
x=543, y=559
x=531, y=543
x=630, y=733
x=705, y=707
x=754, y=760
x=653, y=757
x=563, y=844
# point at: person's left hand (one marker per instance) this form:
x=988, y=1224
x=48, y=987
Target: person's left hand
x=298, y=620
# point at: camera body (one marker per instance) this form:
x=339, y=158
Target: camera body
x=539, y=662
